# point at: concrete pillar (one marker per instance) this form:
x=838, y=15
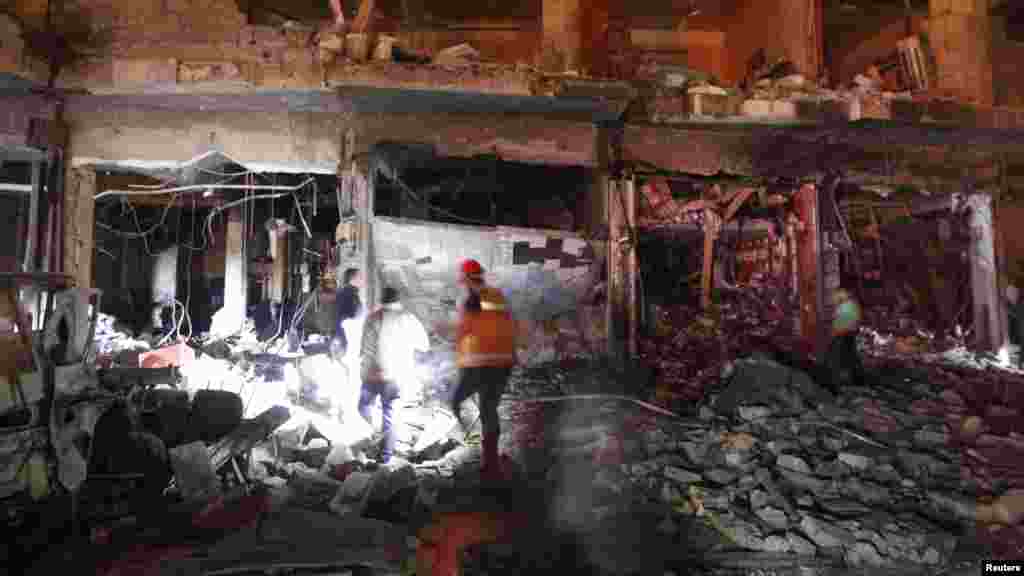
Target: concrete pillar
x=80, y=225
x=279, y=268
x=235, y=277
x=807, y=250
x=800, y=33
x=989, y=331
x=960, y=34
x=622, y=268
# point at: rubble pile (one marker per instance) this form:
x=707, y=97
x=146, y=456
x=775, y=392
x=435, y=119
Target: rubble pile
x=112, y=341
x=690, y=346
x=775, y=464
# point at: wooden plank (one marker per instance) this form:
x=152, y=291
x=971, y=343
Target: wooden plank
x=737, y=202
x=632, y=304
x=617, y=269
x=708, y=270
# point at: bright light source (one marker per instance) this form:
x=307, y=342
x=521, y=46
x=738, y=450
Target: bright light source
x=292, y=379
x=208, y=192
x=1004, y=360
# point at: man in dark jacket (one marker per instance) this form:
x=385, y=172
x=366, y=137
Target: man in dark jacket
x=348, y=303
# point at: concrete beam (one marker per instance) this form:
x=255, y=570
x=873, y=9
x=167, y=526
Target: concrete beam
x=79, y=225
x=235, y=275
x=362, y=99
x=306, y=142
x=154, y=138
x=705, y=149
x=701, y=152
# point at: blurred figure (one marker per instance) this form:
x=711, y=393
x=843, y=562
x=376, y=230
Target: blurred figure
x=349, y=305
x=392, y=338
x=842, y=353
x=485, y=349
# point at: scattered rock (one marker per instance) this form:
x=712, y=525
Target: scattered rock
x=754, y=413
x=855, y=461
x=825, y=535
x=844, y=508
x=721, y=476
x=681, y=476
x=802, y=482
x=790, y=462
x=800, y=545
x=864, y=554
x=831, y=469
x=355, y=486
x=773, y=517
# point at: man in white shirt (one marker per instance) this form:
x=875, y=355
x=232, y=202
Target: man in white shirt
x=391, y=338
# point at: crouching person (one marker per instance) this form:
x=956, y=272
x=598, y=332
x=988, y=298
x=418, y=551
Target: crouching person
x=391, y=338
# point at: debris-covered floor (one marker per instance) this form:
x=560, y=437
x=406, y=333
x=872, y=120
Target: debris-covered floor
x=720, y=454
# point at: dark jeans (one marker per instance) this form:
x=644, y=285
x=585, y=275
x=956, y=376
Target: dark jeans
x=843, y=355
x=490, y=383
x=388, y=392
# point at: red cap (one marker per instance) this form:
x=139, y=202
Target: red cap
x=472, y=269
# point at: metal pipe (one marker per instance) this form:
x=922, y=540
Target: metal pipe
x=33, y=220
x=197, y=187
x=8, y=187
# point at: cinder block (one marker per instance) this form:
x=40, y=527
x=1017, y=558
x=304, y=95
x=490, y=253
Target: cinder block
x=757, y=108
x=137, y=71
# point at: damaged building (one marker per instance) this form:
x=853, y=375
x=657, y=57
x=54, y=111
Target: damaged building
x=669, y=198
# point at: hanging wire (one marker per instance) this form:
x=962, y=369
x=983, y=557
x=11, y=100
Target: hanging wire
x=141, y=233
x=410, y=192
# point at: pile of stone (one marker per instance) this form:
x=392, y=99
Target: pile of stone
x=690, y=346
x=868, y=478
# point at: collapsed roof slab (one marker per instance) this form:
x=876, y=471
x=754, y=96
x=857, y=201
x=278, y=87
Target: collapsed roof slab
x=805, y=151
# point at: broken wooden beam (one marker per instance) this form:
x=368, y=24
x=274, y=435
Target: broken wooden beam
x=708, y=269
x=622, y=267
x=248, y=434
x=737, y=202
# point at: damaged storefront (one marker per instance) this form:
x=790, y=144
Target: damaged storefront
x=672, y=293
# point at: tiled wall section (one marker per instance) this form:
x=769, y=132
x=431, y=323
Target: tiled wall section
x=544, y=274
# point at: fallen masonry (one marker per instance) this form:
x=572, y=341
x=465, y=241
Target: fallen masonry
x=767, y=471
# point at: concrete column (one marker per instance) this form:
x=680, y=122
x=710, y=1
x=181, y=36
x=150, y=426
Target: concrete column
x=79, y=224
x=279, y=268
x=622, y=268
x=800, y=34
x=808, y=249
x=989, y=331
x=235, y=284
x=960, y=33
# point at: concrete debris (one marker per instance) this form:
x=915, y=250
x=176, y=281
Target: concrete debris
x=193, y=472
x=458, y=55
x=112, y=338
